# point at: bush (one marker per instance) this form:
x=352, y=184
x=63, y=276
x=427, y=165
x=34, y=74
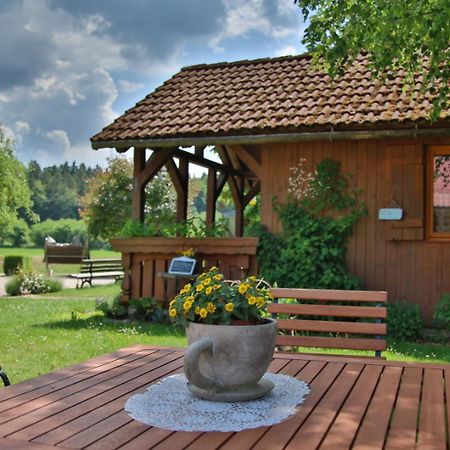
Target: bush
x=29, y=282
x=148, y=309
x=404, y=321
x=114, y=310
x=13, y=263
x=63, y=230
x=442, y=312
x=20, y=235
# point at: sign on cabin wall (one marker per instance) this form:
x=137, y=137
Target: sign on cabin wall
x=390, y=214
x=182, y=265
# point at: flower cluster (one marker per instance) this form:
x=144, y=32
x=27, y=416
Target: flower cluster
x=32, y=283
x=211, y=300
x=299, y=181
x=188, y=253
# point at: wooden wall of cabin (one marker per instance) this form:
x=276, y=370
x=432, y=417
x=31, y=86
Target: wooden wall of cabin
x=382, y=254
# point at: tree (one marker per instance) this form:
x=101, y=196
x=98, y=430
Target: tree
x=14, y=191
x=412, y=35
x=106, y=206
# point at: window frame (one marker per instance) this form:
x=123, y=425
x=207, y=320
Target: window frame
x=432, y=151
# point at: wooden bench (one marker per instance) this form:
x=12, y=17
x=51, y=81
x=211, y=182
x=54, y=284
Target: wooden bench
x=64, y=254
x=98, y=268
x=336, y=319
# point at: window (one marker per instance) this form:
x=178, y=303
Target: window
x=438, y=189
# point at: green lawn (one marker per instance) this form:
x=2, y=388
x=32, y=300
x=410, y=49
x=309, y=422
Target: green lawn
x=41, y=334
x=37, y=256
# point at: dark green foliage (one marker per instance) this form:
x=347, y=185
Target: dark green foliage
x=63, y=230
x=195, y=228
x=114, y=309
x=311, y=250
x=20, y=234
x=397, y=35
x=404, y=321
x=147, y=309
x=13, y=263
x=442, y=312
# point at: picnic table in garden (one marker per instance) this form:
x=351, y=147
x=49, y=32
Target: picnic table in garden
x=353, y=403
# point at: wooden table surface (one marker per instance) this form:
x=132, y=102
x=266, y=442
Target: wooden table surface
x=360, y=404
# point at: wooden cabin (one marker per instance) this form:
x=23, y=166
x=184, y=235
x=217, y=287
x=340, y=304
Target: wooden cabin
x=263, y=117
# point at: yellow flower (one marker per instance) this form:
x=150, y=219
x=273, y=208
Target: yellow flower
x=197, y=310
x=187, y=305
x=207, y=281
x=213, y=268
x=172, y=303
x=217, y=286
x=199, y=288
x=208, y=290
x=218, y=277
x=211, y=307
x=243, y=288
x=172, y=312
x=260, y=302
x=229, y=307
x=203, y=313
x=252, y=278
x=190, y=299
x=252, y=300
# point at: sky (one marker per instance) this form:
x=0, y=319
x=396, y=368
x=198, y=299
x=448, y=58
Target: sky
x=70, y=67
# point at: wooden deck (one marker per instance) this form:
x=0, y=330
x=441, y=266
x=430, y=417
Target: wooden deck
x=354, y=403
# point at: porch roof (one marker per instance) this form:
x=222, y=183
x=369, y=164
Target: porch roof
x=267, y=97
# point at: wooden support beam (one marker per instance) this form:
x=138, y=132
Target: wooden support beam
x=200, y=150
x=180, y=179
x=221, y=182
x=154, y=164
x=138, y=197
x=247, y=158
x=239, y=218
x=204, y=162
x=211, y=197
x=255, y=189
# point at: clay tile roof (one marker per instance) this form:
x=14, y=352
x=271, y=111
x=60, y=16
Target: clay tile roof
x=277, y=95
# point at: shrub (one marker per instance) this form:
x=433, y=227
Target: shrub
x=13, y=263
x=114, y=309
x=442, y=311
x=63, y=230
x=404, y=321
x=29, y=282
x=147, y=309
x=20, y=234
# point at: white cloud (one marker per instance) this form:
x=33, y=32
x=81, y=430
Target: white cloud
x=22, y=127
x=130, y=86
x=60, y=138
x=285, y=51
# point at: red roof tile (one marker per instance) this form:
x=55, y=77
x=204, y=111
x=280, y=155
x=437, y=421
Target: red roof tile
x=266, y=96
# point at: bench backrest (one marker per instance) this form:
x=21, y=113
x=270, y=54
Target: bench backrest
x=331, y=318
x=65, y=254
x=101, y=265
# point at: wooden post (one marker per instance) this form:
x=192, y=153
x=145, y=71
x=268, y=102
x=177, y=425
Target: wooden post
x=211, y=197
x=239, y=208
x=138, y=198
x=182, y=196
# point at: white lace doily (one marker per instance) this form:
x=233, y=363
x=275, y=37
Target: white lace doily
x=170, y=405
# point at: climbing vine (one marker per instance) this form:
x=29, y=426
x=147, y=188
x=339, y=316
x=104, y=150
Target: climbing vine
x=318, y=219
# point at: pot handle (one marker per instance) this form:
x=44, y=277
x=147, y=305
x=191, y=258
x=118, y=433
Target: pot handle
x=192, y=369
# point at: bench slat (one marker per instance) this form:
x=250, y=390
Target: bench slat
x=330, y=294
x=331, y=342
x=329, y=310
x=332, y=327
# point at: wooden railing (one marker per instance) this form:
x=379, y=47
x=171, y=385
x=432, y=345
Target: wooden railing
x=144, y=259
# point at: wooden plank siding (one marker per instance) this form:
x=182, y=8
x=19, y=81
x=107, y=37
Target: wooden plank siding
x=395, y=257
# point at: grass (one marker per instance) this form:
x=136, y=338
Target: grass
x=51, y=331
x=37, y=255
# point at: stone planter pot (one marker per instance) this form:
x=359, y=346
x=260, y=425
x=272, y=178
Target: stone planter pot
x=227, y=362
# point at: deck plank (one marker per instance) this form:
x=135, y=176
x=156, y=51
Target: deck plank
x=373, y=428
x=341, y=434
x=402, y=434
x=432, y=412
